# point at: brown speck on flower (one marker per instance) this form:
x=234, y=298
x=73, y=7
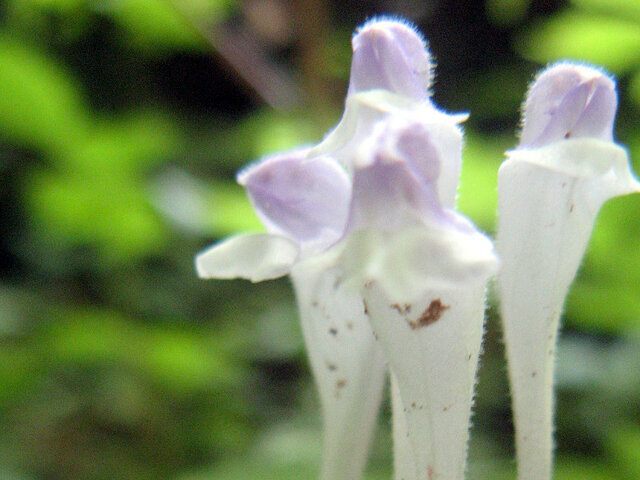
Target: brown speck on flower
x=340, y=384
x=401, y=309
x=431, y=314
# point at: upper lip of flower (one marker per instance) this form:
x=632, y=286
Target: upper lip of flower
x=390, y=55
x=569, y=101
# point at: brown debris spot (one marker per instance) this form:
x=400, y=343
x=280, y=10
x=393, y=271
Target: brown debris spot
x=571, y=208
x=350, y=325
x=431, y=315
x=401, y=309
x=340, y=384
x=366, y=307
x=431, y=474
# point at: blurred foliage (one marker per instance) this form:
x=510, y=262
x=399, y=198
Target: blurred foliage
x=122, y=126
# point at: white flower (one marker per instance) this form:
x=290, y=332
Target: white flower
x=363, y=224
x=550, y=190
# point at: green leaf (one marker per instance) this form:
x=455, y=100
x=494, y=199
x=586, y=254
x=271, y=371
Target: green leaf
x=231, y=210
x=40, y=105
x=607, y=41
x=626, y=9
x=506, y=12
x=634, y=88
x=603, y=307
x=175, y=359
x=574, y=469
x=161, y=25
x=624, y=444
x=98, y=195
x=478, y=195
x=109, y=212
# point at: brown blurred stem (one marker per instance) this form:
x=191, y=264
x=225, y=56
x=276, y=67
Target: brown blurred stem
x=311, y=24
x=248, y=60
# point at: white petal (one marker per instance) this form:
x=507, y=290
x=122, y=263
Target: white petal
x=417, y=259
x=253, y=257
x=404, y=465
x=348, y=366
x=585, y=158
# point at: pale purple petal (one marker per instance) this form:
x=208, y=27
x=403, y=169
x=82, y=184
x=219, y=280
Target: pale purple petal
x=395, y=179
x=390, y=55
x=306, y=199
x=599, y=115
x=569, y=101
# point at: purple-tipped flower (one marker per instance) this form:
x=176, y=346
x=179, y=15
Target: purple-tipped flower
x=363, y=224
x=549, y=192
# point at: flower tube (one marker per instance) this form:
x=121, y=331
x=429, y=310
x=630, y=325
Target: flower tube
x=303, y=201
x=549, y=192
x=422, y=270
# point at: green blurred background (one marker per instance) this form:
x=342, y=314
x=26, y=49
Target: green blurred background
x=122, y=124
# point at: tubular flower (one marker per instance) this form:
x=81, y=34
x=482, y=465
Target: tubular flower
x=363, y=224
x=550, y=190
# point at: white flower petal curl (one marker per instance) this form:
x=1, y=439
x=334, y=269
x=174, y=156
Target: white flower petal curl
x=254, y=257
x=405, y=264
